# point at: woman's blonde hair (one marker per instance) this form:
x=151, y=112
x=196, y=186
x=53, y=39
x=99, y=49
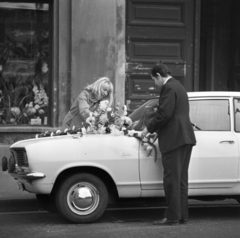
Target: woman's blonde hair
x=96, y=89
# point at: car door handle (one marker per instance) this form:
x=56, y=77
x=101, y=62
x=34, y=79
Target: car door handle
x=227, y=141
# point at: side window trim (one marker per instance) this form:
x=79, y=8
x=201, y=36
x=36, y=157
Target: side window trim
x=235, y=111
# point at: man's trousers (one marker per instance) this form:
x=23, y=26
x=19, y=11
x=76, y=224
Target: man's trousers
x=175, y=181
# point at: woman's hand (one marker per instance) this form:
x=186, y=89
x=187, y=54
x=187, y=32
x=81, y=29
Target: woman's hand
x=90, y=120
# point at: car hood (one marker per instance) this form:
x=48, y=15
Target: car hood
x=42, y=140
x=111, y=153
x=76, y=148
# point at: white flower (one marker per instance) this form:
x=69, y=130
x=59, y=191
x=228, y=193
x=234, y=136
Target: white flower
x=102, y=130
x=36, y=101
x=30, y=104
x=35, y=89
x=128, y=120
x=145, y=145
x=125, y=108
x=95, y=114
x=40, y=96
x=44, y=67
x=103, y=118
x=58, y=132
x=16, y=111
x=145, y=139
x=149, y=150
x=41, y=111
x=134, y=133
x=103, y=105
x=36, y=106
x=115, y=131
x=33, y=110
x=119, y=122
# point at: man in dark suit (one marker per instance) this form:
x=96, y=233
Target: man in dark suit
x=176, y=139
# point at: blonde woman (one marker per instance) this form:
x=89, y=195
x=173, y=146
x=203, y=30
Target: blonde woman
x=88, y=101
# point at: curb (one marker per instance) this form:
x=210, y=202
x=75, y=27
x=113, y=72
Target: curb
x=32, y=205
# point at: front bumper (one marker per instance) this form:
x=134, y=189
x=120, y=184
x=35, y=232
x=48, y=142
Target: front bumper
x=27, y=180
x=19, y=173
x=28, y=176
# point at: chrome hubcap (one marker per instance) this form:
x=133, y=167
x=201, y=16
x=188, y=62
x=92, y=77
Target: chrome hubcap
x=83, y=198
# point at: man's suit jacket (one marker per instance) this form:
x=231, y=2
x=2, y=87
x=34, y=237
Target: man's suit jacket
x=172, y=122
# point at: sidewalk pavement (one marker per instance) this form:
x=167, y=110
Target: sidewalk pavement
x=11, y=198
x=14, y=200
x=8, y=186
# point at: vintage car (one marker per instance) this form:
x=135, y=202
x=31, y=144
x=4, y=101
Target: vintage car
x=79, y=173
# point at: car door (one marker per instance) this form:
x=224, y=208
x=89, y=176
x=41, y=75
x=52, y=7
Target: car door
x=150, y=165
x=151, y=171
x=216, y=154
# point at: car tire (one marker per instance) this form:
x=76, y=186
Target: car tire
x=82, y=198
x=238, y=199
x=47, y=202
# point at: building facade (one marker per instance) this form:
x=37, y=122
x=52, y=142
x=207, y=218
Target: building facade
x=50, y=50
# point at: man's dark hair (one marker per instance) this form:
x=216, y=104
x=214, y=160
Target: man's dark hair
x=161, y=69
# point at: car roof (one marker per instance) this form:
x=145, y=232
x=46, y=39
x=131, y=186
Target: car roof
x=214, y=94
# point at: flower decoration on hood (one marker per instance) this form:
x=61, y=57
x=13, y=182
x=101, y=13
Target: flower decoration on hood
x=108, y=120
x=147, y=142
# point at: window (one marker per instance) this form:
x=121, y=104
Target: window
x=24, y=63
x=210, y=115
x=237, y=114
x=142, y=114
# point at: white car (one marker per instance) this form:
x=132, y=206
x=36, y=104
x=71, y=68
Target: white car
x=78, y=173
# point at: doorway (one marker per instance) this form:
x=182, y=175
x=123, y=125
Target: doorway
x=219, y=68
x=157, y=30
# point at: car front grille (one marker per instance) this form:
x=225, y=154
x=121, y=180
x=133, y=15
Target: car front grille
x=20, y=156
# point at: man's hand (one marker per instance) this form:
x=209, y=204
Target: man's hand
x=144, y=132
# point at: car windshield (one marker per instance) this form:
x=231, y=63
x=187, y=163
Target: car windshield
x=141, y=114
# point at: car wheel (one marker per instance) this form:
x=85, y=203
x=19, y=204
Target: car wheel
x=47, y=202
x=82, y=198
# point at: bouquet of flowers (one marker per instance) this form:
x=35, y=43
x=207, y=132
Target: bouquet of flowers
x=108, y=120
x=38, y=106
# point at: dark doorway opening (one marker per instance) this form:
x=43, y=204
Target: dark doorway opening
x=220, y=46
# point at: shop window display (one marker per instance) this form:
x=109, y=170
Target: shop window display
x=24, y=63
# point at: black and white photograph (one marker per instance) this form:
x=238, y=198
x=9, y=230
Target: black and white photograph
x=119, y=118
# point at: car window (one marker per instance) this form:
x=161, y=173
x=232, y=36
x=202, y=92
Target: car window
x=237, y=114
x=210, y=115
x=141, y=114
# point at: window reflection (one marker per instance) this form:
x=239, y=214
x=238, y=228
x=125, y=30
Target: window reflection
x=24, y=63
x=210, y=115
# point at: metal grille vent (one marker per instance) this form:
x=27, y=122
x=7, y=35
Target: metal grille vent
x=20, y=156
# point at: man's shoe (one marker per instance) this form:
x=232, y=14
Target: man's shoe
x=166, y=222
x=183, y=221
